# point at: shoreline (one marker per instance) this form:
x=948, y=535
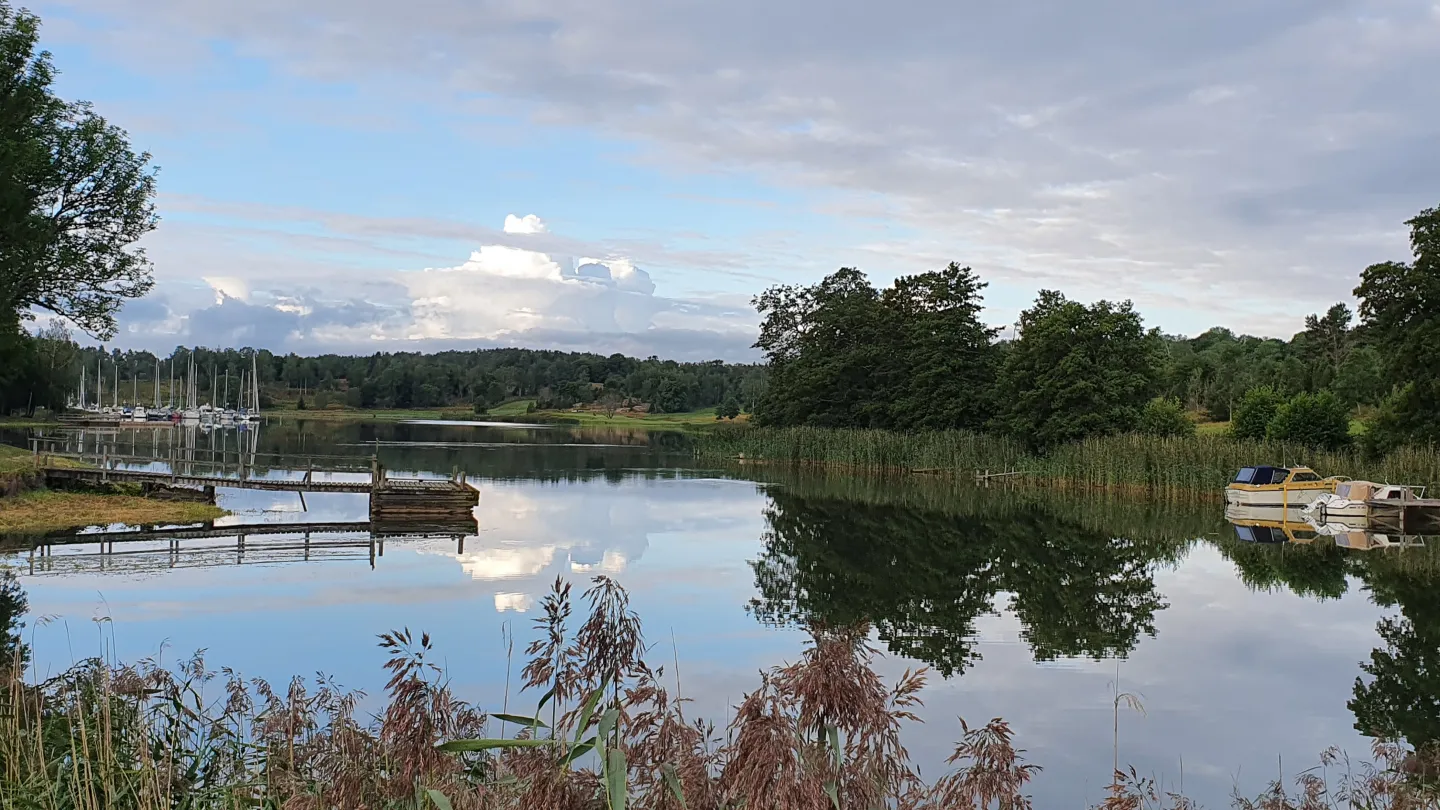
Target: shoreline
x=41, y=511
x=1122, y=463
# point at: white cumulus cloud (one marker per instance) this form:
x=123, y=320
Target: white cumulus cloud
x=529, y=223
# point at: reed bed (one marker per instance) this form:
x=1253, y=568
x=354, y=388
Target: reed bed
x=823, y=733
x=1157, y=465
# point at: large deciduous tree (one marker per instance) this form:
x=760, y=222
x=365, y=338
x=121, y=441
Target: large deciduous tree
x=1400, y=309
x=74, y=197
x=843, y=354
x=1077, y=371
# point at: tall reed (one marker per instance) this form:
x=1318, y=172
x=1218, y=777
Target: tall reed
x=1159, y=465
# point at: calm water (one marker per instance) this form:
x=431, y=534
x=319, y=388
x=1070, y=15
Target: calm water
x=1029, y=604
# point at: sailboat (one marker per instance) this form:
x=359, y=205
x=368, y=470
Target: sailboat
x=190, y=412
x=247, y=413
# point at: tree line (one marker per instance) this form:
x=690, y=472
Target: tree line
x=477, y=379
x=916, y=355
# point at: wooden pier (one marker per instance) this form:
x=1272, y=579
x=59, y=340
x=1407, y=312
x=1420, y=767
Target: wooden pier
x=391, y=499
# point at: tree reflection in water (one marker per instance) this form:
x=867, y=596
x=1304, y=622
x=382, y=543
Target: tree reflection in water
x=923, y=562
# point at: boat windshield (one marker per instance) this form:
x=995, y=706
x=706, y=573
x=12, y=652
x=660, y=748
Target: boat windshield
x=1245, y=475
x=1305, y=475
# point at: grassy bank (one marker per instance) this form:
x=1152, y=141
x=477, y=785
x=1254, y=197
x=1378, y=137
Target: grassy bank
x=823, y=732
x=1198, y=464
x=43, y=511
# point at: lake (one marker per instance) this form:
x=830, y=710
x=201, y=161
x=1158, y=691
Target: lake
x=1027, y=604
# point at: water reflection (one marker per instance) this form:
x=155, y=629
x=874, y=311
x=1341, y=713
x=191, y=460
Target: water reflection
x=1307, y=636
x=922, y=572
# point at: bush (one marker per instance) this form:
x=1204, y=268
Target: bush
x=729, y=409
x=1166, y=418
x=1251, y=418
x=1315, y=420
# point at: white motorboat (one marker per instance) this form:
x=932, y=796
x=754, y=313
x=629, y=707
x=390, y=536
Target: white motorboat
x=1354, y=498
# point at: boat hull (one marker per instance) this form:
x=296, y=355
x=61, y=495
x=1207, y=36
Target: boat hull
x=1271, y=497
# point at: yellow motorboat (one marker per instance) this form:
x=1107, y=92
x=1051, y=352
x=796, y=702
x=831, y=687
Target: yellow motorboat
x=1283, y=487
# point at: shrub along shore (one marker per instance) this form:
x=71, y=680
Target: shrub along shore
x=1163, y=466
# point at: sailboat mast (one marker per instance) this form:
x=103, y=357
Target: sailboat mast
x=117, y=384
x=226, y=403
x=156, y=378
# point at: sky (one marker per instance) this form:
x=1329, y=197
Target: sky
x=360, y=176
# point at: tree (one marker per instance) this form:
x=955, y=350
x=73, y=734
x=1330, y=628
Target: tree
x=1077, y=371
x=1400, y=310
x=829, y=347
x=1326, y=343
x=1251, y=418
x=74, y=197
x=1165, y=417
x=946, y=355
x=1315, y=420
x=610, y=403
x=1360, y=379
x=729, y=409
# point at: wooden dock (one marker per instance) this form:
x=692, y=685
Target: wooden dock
x=391, y=499
x=1407, y=516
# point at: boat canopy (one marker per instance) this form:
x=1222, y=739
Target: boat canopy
x=1261, y=476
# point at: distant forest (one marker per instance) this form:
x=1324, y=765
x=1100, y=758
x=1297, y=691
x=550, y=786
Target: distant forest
x=475, y=379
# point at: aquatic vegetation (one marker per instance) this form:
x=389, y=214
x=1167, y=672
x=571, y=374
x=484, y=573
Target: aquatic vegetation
x=1164, y=466
x=606, y=732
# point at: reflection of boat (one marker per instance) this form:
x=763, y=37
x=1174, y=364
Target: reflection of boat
x=1270, y=525
x=1277, y=486
x=1266, y=525
x=1357, y=498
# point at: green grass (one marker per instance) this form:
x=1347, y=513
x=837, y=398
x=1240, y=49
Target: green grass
x=1163, y=466
x=41, y=512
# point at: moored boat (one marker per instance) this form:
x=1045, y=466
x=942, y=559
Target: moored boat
x=1357, y=498
x=1278, y=486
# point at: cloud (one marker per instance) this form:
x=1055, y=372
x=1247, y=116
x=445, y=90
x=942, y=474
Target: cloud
x=1227, y=160
x=501, y=296
x=526, y=224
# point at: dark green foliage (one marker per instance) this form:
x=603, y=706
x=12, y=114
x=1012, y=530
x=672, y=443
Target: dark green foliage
x=1077, y=371
x=1165, y=417
x=827, y=350
x=1251, y=417
x=1313, y=420
x=414, y=380
x=1360, y=379
x=300, y=403
x=945, y=358
x=74, y=198
x=1400, y=309
x=36, y=371
x=729, y=409
x=843, y=354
